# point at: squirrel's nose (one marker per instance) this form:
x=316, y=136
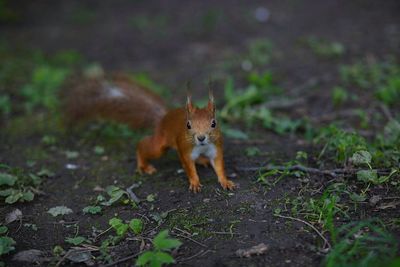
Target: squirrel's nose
x=201, y=138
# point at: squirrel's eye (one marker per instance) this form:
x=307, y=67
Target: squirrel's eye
x=188, y=125
x=213, y=124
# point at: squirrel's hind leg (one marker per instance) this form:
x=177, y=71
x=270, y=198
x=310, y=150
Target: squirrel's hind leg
x=150, y=147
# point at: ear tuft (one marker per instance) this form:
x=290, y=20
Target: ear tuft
x=211, y=104
x=189, y=105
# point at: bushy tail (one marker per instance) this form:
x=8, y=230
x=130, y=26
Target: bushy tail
x=115, y=97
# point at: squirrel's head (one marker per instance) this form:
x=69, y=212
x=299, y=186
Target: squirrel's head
x=201, y=123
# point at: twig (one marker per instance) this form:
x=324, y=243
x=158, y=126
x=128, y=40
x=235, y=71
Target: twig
x=333, y=172
x=189, y=238
x=132, y=195
x=386, y=112
x=200, y=253
x=224, y=233
x=86, y=249
x=290, y=168
x=102, y=233
x=123, y=259
x=312, y=227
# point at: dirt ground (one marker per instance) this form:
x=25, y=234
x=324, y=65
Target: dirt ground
x=184, y=46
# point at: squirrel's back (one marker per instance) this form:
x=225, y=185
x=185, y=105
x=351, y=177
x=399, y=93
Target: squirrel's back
x=115, y=97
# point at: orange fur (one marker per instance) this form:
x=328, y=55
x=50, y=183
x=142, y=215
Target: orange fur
x=120, y=99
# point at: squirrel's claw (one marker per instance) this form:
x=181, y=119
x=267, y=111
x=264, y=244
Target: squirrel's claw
x=195, y=187
x=228, y=185
x=149, y=169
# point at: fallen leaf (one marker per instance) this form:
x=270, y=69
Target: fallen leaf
x=390, y=205
x=31, y=256
x=59, y=210
x=13, y=216
x=255, y=250
x=78, y=255
x=375, y=199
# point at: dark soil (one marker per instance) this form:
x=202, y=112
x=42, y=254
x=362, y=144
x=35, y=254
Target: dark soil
x=189, y=47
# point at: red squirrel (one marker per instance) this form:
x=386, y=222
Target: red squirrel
x=194, y=132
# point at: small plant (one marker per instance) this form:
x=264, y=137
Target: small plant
x=17, y=186
x=324, y=48
x=116, y=194
x=76, y=241
x=364, y=243
x=161, y=253
x=381, y=77
x=5, y=105
x=92, y=210
x=390, y=92
x=260, y=52
x=136, y=225
x=59, y=211
x=280, y=173
x=42, y=90
x=370, y=175
x=6, y=243
x=339, y=96
x=121, y=228
x=343, y=144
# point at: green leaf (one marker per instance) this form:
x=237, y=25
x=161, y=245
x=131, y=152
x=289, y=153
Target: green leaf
x=7, y=192
x=59, y=210
x=151, y=198
x=28, y=196
x=7, y=179
x=119, y=227
x=3, y=230
x=136, y=226
x=76, y=240
x=163, y=258
x=367, y=176
x=357, y=198
x=6, y=245
x=115, y=193
x=45, y=172
x=144, y=258
x=92, y=209
x=71, y=154
x=99, y=150
x=14, y=197
x=361, y=157
x=162, y=242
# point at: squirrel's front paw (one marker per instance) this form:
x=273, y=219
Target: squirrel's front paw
x=228, y=184
x=195, y=187
x=149, y=169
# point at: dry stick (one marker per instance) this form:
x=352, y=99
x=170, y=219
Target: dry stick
x=224, y=233
x=308, y=224
x=191, y=239
x=200, y=253
x=102, y=233
x=333, y=173
x=291, y=168
x=123, y=259
x=386, y=112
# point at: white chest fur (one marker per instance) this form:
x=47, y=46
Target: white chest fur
x=208, y=151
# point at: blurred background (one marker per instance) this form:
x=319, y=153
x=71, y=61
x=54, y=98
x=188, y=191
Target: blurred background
x=171, y=43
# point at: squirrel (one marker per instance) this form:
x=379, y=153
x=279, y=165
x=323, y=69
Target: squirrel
x=192, y=131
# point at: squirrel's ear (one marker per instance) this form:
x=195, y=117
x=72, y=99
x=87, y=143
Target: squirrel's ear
x=189, y=105
x=211, y=104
